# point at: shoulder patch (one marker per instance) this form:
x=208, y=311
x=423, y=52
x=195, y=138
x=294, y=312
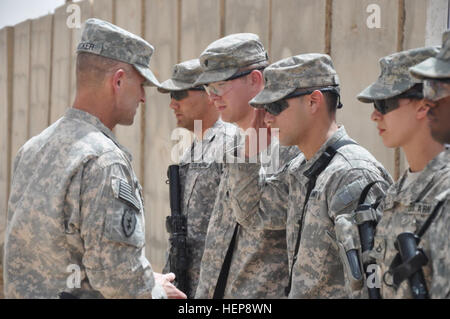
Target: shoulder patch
x=126, y=194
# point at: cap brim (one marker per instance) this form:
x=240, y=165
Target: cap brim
x=382, y=91
x=174, y=85
x=431, y=68
x=148, y=75
x=269, y=95
x=215, y=76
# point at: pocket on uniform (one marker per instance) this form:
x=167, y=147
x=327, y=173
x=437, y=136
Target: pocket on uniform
x=124, y=221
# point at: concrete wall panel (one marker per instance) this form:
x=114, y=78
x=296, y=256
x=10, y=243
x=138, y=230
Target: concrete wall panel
x=356, y=49
x=6, y=60
x=61, y=65
x=41, y=48
x=21, y=86
x=298, y=26
x=200, y=25
x=129, y=16
x=248, y=16
x=161, y=31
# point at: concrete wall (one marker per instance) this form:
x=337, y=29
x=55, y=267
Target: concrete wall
x=37, y=78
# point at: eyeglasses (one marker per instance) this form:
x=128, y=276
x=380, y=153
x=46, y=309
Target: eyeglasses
x=387, y=105
x=435, y=90
x=279, y=106
x=179, y=95
x=222, y=87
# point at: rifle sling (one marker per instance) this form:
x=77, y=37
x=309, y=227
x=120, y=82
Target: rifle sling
x=312, y=173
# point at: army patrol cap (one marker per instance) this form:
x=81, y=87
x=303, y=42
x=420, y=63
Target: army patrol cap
x=105, y=39
x=224, y=57
x=395, y=77
x=437, y=67
x=301, y=74
x=183, y=77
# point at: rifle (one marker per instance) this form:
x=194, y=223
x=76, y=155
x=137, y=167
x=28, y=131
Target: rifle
x=176, y=226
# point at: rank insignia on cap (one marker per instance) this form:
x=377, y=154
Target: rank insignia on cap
x=129, y=222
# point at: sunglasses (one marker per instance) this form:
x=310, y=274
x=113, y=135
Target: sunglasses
x=179, y=95
x=279, y=106
x=222, y=87
x=387, y=105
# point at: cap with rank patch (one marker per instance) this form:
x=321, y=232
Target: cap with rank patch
x=108, y=40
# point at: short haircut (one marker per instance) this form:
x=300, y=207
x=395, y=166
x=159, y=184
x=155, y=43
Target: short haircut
x=331, y=99
x=92, y=69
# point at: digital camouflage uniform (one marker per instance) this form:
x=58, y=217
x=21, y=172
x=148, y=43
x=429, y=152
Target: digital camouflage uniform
x=405, y=210
x=406, y=207
x=258, y=267
x=76, y=203
x=200, y=174
x=277, y=202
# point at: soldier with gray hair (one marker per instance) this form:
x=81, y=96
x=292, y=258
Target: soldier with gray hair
x=314, y=197
x=76, y=204
x=239, y=262
x=400, y=112
x=201, y=166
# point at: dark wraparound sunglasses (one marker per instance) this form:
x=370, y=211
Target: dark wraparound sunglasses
x=277, y=107
x=388, y=105
x=179, y=95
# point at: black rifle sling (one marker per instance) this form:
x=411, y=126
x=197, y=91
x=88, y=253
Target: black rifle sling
x=312, y=173
x=222, y=281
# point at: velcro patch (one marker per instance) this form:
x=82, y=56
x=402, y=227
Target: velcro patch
x=126, y=194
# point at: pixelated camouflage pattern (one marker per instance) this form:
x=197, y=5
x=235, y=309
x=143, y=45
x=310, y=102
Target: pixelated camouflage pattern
x=277, y=203
x=434, y=90
x=435, y=67
x=258, y=266
x=405, y=210
x=199, y=179
x=395, y=77
x=313, y=70
x=184, y=75
x=108, y=40
x=65, y=209
x=224, y=57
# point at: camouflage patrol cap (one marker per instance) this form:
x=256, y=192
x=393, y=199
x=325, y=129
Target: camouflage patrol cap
x=224, y=57
x=105, y=39
x=300, y=72
x=183, y=77
x=435, y=67
x=395, y=78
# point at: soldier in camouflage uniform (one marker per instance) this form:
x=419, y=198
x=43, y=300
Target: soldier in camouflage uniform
x=256, y=261
x=76, y=203
x=435, y=72
x=200, y=172
x=300, y=96
x=401, y=117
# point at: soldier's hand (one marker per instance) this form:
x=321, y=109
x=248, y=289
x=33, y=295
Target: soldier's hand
x=257, y=123
x=165, y=280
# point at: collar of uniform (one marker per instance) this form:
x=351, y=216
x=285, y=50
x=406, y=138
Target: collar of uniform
x=339, y=134
x=211, y=132
x=406, y=195
x=73, y=113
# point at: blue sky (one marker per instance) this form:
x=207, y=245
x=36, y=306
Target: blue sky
x=15, y=11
